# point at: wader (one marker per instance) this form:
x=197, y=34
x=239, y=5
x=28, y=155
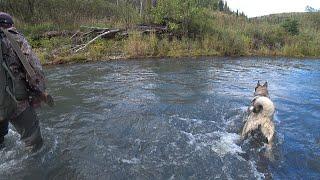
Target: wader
x=27, y=125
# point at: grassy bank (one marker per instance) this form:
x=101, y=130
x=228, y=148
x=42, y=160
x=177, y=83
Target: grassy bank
x=195, y=28
x=248, y=39
x=57, y=50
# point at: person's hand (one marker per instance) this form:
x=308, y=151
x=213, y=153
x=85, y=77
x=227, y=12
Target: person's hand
x=47, y=98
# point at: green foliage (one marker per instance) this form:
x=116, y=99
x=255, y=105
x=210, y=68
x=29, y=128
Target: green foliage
x=127, y=13
x=231, y=43
x=37, y=28
x=186, y=17
x=62, y=12
x=315, y=19
x=272, y=37
x=312, y=9
x=291, y=26
x=210, y=4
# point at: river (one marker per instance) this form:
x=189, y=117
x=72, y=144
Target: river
x=171, y=119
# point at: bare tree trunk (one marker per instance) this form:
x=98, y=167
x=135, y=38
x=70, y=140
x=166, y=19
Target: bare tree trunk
x=141, y=6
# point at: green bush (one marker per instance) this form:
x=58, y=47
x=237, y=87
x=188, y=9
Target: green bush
x=291, y=26
x=188, y=18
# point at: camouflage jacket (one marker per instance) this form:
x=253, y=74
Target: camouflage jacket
x=17, y=68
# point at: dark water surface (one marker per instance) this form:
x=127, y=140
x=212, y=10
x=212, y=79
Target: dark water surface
x=171, y=119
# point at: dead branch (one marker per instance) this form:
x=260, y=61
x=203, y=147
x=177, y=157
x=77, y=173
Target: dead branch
x=83, y=46
x=75, y=34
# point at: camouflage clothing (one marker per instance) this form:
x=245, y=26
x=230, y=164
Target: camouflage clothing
x=24, y=118
x=17, y=68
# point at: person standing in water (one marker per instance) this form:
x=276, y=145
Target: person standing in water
x=22, y=86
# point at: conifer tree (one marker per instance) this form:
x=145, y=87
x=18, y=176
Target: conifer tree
x=221, y=5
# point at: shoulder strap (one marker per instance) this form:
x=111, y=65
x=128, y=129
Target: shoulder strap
x=3, y=64
x=19, y=53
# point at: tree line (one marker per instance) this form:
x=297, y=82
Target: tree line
x=179, y=15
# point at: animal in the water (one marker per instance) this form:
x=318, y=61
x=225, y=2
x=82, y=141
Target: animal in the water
x=260, y=118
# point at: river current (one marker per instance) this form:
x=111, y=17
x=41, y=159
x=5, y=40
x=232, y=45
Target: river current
x=171, y=119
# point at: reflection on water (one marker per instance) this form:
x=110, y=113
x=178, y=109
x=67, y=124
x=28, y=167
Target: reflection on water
x=170, y=119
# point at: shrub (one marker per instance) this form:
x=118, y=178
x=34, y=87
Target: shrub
x=182, y=17
x=291, y=26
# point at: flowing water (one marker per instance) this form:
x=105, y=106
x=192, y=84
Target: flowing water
x=171, y=119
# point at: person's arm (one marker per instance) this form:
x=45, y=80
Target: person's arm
x=34, y=74
x=38, y=82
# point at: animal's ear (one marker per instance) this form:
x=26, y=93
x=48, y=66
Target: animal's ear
x=265, y=84
x=258, y=84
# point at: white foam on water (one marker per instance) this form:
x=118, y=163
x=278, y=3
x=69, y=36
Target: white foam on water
x=188, y=120
x=13, y=154
x=5, y=166
x=131, y=161
x=226, y=144
x=191, y=120
x=191, y=137
x=222, y=143
x=13, y=163
x=244, y=109
x=12, y=133
x=54, y=146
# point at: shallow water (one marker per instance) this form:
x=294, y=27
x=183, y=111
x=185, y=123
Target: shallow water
x=171, y=119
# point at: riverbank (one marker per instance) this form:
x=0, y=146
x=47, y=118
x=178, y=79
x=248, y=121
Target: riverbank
x=57, y=50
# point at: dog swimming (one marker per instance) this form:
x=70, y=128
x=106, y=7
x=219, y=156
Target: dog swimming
x=260, y=117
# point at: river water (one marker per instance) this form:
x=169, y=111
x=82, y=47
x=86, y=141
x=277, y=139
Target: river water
x=171, y=119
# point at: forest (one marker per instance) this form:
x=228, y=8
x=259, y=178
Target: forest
x=188, y=28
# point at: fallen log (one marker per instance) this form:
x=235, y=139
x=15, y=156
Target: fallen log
x=51, y=34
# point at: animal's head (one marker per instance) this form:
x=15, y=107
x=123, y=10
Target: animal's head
x=261, y=90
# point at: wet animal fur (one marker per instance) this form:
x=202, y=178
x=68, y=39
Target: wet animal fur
x=261, y=114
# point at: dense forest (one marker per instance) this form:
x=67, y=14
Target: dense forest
x=193, y=28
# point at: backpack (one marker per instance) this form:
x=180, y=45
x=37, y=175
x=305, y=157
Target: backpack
x=7, y=99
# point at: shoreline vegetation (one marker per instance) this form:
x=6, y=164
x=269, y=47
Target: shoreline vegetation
x=190, y=28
